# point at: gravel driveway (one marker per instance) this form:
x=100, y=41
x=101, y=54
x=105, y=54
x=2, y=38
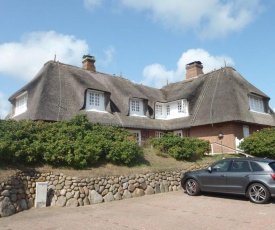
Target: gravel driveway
x=173, y=210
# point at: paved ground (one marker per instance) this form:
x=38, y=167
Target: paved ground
x=174, y=210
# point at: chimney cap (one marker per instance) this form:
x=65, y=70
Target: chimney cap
x=88, y=57
x=194, y=62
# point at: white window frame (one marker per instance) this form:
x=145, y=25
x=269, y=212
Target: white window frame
x=246, y=132
x=136, y=107
x=159, y=109
x=171, y=110
x=95, y=101
x=159, y=134
x=256, y=104
x=178, y=133
x=21, y=104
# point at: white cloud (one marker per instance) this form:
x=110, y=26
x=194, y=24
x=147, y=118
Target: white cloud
x=24, y=59
x=91, y=4
x=3, y=106
x=211, y=18
x=109, y=54
x=156, y=75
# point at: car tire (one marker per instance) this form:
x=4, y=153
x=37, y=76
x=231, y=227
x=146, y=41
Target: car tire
x=192, y=187
x=258, y=193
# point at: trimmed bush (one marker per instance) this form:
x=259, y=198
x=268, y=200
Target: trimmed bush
x=181, y=148
x=76, y=143
x=260, y=144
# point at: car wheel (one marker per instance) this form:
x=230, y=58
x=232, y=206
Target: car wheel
x=258, y=193
x=192, y=187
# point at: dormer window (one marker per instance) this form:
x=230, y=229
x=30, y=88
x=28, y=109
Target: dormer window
x=256, y=104
x=95, y=101
x=136, y=107
x=21, y=104
x=171, y=110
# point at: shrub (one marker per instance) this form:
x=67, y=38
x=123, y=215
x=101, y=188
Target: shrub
x=260, y=144
x=76, y=143
x=181, y=148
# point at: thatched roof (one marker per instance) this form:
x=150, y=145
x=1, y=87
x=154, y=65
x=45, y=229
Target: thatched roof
x=58, y=93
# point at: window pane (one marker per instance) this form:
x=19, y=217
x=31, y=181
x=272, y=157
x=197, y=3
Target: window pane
x=256, y=167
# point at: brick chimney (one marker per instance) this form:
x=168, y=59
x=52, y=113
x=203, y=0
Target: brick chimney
x=88, y=63
x=194, y=69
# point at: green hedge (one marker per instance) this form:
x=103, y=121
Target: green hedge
x=76, y=143
x=260, y=144
x=181, y=148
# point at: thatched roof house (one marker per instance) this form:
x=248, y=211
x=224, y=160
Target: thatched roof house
x=208, y=105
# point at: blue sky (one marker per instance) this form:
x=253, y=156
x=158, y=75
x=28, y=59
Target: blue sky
x=146, y=41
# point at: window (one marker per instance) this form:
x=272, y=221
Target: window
x=221, y=166
x=256, y=167
x=256, y=104
x=21, y=104
x=181, y=107
x=159, y=109
x=135, y=105
x=95, y=101
x=245, y=131
x=159, y=134
x=240, y=166
x=168, y=110
x=137, y=135
x=171, y=110
x=178, y=133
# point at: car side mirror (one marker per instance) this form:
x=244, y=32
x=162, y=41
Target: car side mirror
x=209, y=169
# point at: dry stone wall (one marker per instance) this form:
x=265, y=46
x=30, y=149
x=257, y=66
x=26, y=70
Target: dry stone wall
x=18, y=193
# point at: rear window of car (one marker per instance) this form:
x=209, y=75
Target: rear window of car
x=272, y=165
x=256, y=167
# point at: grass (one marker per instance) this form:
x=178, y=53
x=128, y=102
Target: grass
x=152, y=162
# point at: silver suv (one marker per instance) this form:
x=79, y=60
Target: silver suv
x=253, y=177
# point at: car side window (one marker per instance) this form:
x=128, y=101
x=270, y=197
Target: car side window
x=240, y=166
x=220, y=166
x=256, y=167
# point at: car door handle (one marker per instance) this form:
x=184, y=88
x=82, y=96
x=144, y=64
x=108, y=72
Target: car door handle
x=247, y=176
x=223, y=175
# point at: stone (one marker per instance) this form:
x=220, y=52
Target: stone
x=69, y=195
x=117, y=196
x=131, y=187
x=30, y=203
x=143, y=185
x=63, y=192
x=157, y=188
x=104, y=192
x=23, y=204
x=80, y=202
x=13, y=197
x=6, y=208
x=73, y=202
x=109, y=197
x=86, y=191
x=5, y=193
x=149, y=191
x=76, y=195
x=126, y=194
x=86, y=201
x=95, y=197
x=138, y=192
x=61, y=201
x=58, y=187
